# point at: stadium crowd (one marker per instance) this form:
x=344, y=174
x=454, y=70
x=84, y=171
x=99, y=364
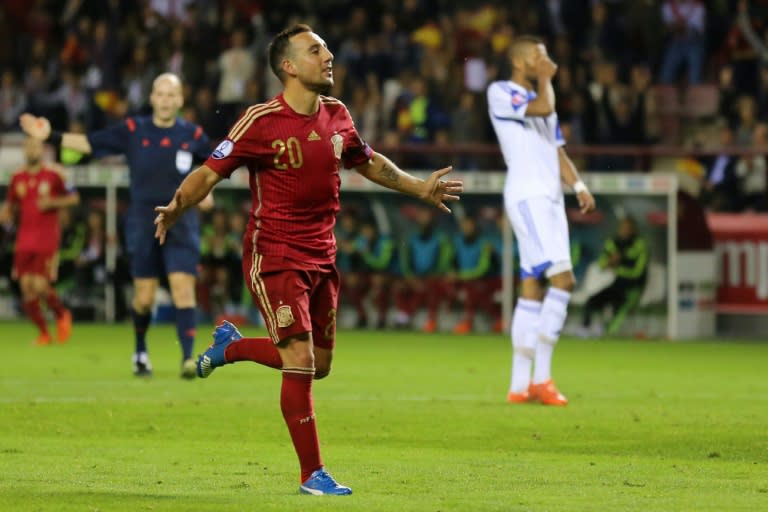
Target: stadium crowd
x=412, y=72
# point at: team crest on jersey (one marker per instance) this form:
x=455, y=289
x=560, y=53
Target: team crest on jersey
x=284, y=316
x=44, y=189
x=338, y=145
x=223, y=150
x=518, y=99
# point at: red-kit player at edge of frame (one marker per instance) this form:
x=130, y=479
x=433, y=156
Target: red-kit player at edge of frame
x=36, y=193
x=294, y=147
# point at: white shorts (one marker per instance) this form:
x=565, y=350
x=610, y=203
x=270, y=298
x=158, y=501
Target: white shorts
x=541, y=232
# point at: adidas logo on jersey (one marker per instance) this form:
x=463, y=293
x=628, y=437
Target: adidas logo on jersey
x=313, y=136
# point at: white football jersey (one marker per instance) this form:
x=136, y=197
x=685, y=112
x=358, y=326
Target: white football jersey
x=529, y=143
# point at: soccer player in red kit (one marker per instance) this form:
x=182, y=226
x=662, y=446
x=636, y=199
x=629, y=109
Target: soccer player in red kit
x=36, y=193
x=294, y=147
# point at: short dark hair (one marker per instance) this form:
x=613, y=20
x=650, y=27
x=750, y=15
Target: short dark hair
x=524, y=40
x=279, y=47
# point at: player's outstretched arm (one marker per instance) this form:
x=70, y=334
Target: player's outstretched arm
x=570, y=176
x=195, y=187
x=40, y=128
x=434, y=190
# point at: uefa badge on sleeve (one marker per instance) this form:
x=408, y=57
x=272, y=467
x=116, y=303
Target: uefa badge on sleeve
x=223, y=150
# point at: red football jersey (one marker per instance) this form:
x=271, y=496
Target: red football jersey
x=38, y=230
x=293, y=162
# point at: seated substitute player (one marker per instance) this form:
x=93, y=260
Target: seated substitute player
x=377, y=251
x=526, y=125
x=160, y=150
x=294, y=147
x=474, y=279
x=36, y=193
x=627, y=254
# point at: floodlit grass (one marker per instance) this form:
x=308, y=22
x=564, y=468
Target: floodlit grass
x=411, y=422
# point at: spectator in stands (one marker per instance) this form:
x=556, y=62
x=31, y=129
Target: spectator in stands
x=601, y=36
x=236, y=66
x=103, y=56
x=746, y=110
x=627, y=255
x=208, y=114
x=138, y=75
x=720, y=187
x=762, y=108
x=600, y=98
x=12, y=100
x=365, y=111
x=473, y=280
x=425, y=259
x=685, y=21
x=70, y=95
x=746, y=50
x=466, y=127
x=729, y=95
x=752, y=172
x=625, y=120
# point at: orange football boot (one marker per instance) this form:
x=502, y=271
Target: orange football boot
x=518, y=398
x=547, y=393
x=463, y=327
x=64, y=327
x=430, y=326
x=43, y=339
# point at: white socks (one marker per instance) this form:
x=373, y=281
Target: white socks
x=554, y=310
x=525, y=328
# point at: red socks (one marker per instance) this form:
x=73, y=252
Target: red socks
x=258, y=350
x=54, y=303
x=33, y=311
x=299, y=415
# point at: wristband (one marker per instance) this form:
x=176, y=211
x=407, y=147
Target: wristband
x=55, y=138
x=580, y=187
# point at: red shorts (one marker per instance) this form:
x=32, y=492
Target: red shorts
x=295, y=301
x=44, y=264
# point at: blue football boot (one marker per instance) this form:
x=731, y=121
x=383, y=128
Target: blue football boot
x=320, y=483
x=213, y=357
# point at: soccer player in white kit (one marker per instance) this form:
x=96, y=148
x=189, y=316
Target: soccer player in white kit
x=527, y=128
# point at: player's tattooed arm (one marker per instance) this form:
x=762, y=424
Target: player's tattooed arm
x=434, y=190
x=389, y=174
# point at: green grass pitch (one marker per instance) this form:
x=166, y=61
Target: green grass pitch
x=411, y=422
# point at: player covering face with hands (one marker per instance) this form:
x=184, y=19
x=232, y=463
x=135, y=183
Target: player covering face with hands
x=522, y=111
x=294, y=148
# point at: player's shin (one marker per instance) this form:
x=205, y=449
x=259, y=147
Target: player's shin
x=525, y=326
x=258, y=350
x=554, y=311
x=141, y=322
x=185, y=330
x=35, y=313
x=298, y=412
